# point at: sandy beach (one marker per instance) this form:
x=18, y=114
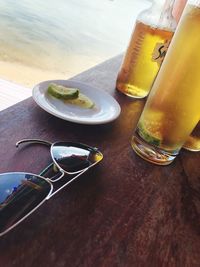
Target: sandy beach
x=28, y=76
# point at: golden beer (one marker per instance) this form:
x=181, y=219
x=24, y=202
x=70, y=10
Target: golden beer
x=172, y=109
x=145, y=53
x=193, y=141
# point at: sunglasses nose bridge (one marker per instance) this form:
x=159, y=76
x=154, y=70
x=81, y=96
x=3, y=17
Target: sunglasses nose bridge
x=56, y=178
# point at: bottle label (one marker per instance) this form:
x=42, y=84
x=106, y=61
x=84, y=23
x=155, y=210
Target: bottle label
x=159, y=52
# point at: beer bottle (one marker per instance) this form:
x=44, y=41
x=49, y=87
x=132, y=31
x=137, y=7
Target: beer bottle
x=150, y=39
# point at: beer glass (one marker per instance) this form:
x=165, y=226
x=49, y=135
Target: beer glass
x=172, y=109
x=193, y=141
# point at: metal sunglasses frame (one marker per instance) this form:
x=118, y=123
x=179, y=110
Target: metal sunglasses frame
x=50, y=180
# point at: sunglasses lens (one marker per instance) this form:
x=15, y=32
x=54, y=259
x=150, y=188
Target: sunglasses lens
x=20, y=193
x=74, y=157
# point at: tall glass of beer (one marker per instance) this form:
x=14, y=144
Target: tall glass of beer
x=172, y=109
x=193, y=141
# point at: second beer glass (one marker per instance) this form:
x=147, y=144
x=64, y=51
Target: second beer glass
x=172, y=109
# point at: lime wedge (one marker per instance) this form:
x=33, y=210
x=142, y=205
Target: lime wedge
x=147, y=136
x=62, y=92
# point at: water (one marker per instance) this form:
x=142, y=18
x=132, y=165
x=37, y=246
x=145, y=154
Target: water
x=63, y=36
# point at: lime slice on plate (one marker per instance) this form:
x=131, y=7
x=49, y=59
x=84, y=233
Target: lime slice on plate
x=62, y=92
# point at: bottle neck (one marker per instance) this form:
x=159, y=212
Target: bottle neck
x=166, y=16
x=163, y=14
x=167, y=7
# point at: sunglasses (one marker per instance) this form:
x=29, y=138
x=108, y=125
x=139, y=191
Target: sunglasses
x=22, y=193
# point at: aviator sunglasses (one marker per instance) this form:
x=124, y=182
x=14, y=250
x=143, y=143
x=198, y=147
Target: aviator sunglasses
x=22, y=193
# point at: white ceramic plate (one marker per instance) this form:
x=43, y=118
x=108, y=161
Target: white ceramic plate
x=106, y=108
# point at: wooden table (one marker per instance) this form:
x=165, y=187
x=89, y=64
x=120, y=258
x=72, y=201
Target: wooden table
x=124, y=212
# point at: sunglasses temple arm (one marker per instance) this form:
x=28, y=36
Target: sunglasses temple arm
x=33, y=141
x=74, y=178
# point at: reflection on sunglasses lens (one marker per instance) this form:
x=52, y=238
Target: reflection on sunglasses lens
x=20, y=193
x=73, y=157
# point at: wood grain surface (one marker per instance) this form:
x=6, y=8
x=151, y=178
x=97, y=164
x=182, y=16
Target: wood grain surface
x=124, y=212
